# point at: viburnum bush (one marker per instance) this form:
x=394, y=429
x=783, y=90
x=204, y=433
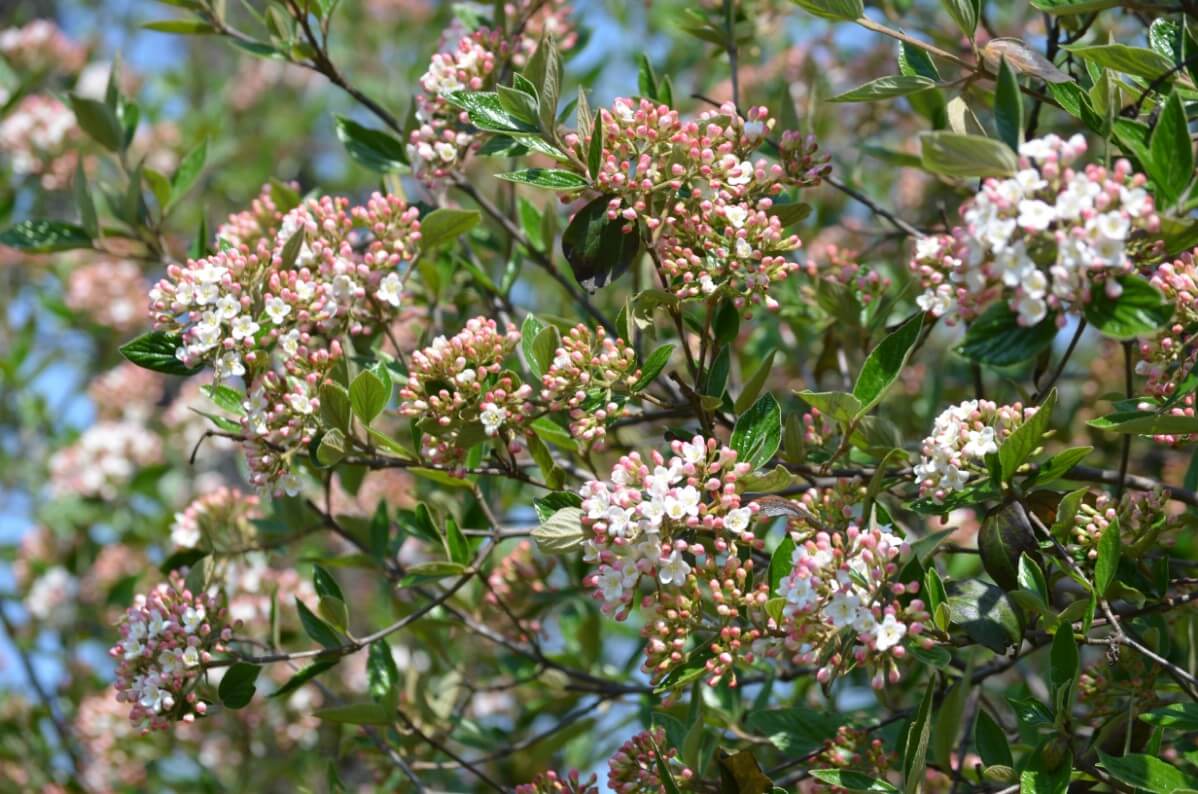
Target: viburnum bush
x=404, y=396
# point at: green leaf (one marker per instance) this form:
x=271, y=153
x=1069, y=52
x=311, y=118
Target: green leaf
x=595, y=148
x=487, y=112
x=334, y=612
x=965, y=13
x=1146, y=424
x=548, y=178
x=1048, y=772
x=781, y=564
x=1136, y=61
x=544, y=346
x=375, y=149
x=1172, y=163
x=958, y=155
x=561, y=532
x=1110, y=548
x=316, y=628
x=181, y=27
x=885, y=363
x=997, y=339
x=528, y=335
x=431, y=572
x=43, y=237
x=839, y=406
x=455, y=541
x=335, y=408
x=368, y=395
x=99, y=121
x=849, y=780
x=841, y=10
x=985, y=613
x=1147, y=772
x=1059, y=465
x=652, y=367
x=325, y=584
x=1006, y=533
x=357, y=714
x=758, y=432
x=755, y=384
x=188, y=171
x=156, y=351
x=382, y=675
x=1031, y=578
x=1008, y=106
x=1180, y=716
x=885, y=88
x=596, y=248
x=1019, y=446
x=83, y=200
x=1140, y=310
x=795, y=731
x=1067, y=7
x=991, y=741
x=446, y=225
x=1063, y=661
x=915, y=755
x=304, y=676
x=237, y=685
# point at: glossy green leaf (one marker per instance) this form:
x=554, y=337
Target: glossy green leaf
x=236, y=687
x=885, y=363
x=446, y=225
x=885, y=88
x=997, y=339
x=43, y=237
x=967, y=156
x=155, y=350
x=758, y=432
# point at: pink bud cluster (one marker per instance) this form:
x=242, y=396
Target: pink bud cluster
x=840, y=267
x=41, y=46
x=126, y=392
x=104, y=459
x=218, y=521
x=41, y=139
x=553, y=783
x=1041, y=240
x=166, y=639
x=1168, y=360
x=1140, y=514
x=588, y=377
x=468, y=60
x=962, y=436
x=109, y=292
x=516, y=592
x=855, y=749
x=841, y=604
x=460, y=393
x=271, y=308
x=696, y=187
x=676, y=525
x=636, y=767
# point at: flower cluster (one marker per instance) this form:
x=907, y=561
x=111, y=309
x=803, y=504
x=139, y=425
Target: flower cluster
x=678, y=525
x=218, y=521
x=53, y=597
x=271, y=307
x=553, y=783
x=1043, y=239
x=109, y=292
x=42, y=140
x=1142, y=516
x=1167, y=360
x=461, y=394
x=166, y=638
x=589, y=374
x=856, y=749
x=840, y=267
x=962, y=436
x=697, y=186
x=636, y=767
x=102, y=461
x=41, y=46
x=843, y=580
x=516, y=590
x=467, y=60
x=126, y=391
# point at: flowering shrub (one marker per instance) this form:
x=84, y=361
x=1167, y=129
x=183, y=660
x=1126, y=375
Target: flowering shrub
x=443, y=397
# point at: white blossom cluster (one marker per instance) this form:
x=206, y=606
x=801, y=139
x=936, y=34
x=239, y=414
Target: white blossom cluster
x=962, y=436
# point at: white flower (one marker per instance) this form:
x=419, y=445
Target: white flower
x=611, y=583
x=754, y=130
x=190, y=656
x=927, y=247
x=228, y=307
x=300, y=403
x=674, y=569
x=736, y=215
x=652, y=512
x=193, y=617
x=228, y=365
x=389, y=289
x=682, y=503
x=277, y=309
x=492, y=416
x=1037, y=148
x=1036, y=215
x=737, y=521
x=799, y=594
x=1112, y=225
x=841, y=611
x=938, y=301
x=289, y=342
x=889, y=633
x=244, y=327
x=1031, y=310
